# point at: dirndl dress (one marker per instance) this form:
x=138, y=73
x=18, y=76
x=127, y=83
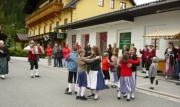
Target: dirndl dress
x=127, y=84
x=4, y=66
x=96, y=80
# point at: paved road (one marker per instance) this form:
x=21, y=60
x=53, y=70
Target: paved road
x=19, y=90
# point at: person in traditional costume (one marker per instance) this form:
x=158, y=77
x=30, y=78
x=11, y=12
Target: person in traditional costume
x=113, y=69
x=4, y=52
x=152, y=53
x=82, y=76
x=32, y=55
x=115, y=50
x=144, y=59
x=126, y=79
x=170, y=57
x=96, y=79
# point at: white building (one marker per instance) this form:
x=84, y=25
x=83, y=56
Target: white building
x=135, y=22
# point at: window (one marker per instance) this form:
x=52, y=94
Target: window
x=65, y=21
x=57, y=23
x=112, y=4
x=101, y=2
x=50, y=27
x=44, y=29
x=123, y=5
x=34, y=31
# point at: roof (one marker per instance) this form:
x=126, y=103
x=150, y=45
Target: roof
x=164, y=34
x=22, y=37
x=71, y=4
x=132, y=1
x=126, y=14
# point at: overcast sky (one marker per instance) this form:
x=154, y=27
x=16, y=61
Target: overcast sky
x=143, y=1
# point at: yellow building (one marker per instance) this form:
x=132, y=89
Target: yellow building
x=44, y=15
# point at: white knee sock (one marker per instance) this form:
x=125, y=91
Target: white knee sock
x=32, y=73
x=36, y=72
x=128, y=95
x=2, y=76
x=83, y=91
x=79, y=91
x=147, y=73
x=144, y=69
x=132, y=94
x=96, y=93
x=106, y=82
x=76, y=87
x=70, y=87
x=119, y=94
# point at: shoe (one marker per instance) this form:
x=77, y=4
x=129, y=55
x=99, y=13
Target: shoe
x=146, y=77
x=54, y=66
x=152, y=88
x=177, y=83
x=118, y=98
x=96, y=98
x=32, y=76
x=37, y=76
x=128, y=99
x=87, y=88
x=77, y=97
x=75, y=92
x=67, y=89
x=83, y=98
x=143, y=72
x=68, y=93
x=125, y=96
x=107, y=87
x=132, y=98
x=2, y=78
x=113, y=86
x=156, y=82
x=92, y=95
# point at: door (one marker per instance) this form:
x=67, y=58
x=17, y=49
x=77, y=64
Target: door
x=86, y=39
x=103, y=42
x=73, y=40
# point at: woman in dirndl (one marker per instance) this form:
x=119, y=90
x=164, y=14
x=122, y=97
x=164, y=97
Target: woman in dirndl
x=170, y=57
x=96, y=79
x=127, y=84
x=4, y=52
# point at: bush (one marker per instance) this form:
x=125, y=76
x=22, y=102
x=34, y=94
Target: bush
x=18, y=52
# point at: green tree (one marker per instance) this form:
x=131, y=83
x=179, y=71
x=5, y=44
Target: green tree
x=9, y=42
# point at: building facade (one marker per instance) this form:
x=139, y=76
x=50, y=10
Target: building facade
x=44, y=15
x=131, y=26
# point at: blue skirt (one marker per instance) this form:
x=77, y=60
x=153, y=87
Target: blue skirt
x=82, y=79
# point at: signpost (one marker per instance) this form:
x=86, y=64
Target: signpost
x=125, y=39
x=60, y=35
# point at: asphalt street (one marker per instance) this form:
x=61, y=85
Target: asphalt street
x=19, y=90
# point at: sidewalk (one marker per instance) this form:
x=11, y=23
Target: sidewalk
x=165, y=89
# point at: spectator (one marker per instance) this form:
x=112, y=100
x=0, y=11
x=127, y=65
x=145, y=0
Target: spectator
x=55, y=49
x=66, y=52
x=178, y=66
x=115, y=50
x=87, y=50
x=60, y=56
x=144, y=57
x=78, y=46
x=125, y=49
x=133, y=46
x=49, y=54
x=109, y=52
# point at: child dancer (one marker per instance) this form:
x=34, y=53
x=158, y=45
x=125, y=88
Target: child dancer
x=113, y=69
x=72, y=68
x=82, y=77
x=153, y=72
x=126, y=80
x=105, y=69
x=95, y=75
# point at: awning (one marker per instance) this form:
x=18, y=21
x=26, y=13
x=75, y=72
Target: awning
x=164, y=34
x=22, y=37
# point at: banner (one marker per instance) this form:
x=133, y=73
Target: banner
x=125, y=39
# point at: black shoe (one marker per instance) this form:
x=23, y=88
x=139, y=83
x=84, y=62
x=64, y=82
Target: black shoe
x=107, y=87
x=128, y=99
x=177, y=83
x=92, y=95
x=77, y=97
x=132, y=98
x=32, y=76
x=118, y=98
x=67, y=89
x=2, y=78
x=96, y=98
x=146, y=77
x=37, y=76
x=87, y=88
x=143, y=72
x=156, y=82
x=83, y=98
x=68, y=93
x=75, y=92
x=125, y=96
x=152, y=88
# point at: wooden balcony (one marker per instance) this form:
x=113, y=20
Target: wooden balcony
x=47, y=12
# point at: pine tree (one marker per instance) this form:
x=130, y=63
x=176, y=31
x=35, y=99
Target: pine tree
x=9, y=42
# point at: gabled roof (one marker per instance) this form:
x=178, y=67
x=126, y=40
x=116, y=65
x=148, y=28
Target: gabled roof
x=71, y=4
x=22, y=37
x=132, y=1
x=126, y=14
